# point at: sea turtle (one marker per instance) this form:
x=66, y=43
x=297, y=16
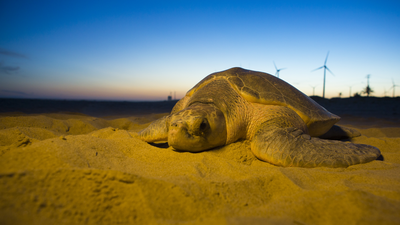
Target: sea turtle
x=282, y=124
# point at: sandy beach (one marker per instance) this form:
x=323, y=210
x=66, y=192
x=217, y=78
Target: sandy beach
x=80, y=162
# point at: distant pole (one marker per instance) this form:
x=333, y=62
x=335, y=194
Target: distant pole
x=350, y=86
x=323, y=92
x=368, y=76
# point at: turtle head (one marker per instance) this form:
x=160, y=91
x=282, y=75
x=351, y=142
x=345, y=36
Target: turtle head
x=197, y=128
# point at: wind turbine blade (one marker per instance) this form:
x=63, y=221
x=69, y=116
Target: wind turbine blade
x=317, y=69
x=283, y=68
x=275, y=66
x=330, y=71
x=326, y=59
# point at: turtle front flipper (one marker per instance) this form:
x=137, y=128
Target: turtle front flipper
x=289, y=146
x=156, y=131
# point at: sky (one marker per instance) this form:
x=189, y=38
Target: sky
x=145, y=50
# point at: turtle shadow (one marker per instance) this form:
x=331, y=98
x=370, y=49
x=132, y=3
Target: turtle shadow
x=160, y=144
x=380, y=158
x=166, y=145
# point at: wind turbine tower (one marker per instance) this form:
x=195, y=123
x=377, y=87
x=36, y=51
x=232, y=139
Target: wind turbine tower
x=313, y=89
x=394, y=87
x=350, y=86
x=325, y=68
x=277, y=70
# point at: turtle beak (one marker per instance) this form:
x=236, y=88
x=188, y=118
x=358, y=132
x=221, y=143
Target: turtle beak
x=178, y=125
x=180, y=137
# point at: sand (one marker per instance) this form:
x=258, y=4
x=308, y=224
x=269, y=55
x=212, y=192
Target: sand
x=73, y=168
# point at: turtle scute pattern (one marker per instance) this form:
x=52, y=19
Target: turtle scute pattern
x=263, y=88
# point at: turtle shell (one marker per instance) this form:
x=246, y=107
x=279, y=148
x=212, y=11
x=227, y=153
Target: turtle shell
x=263, y=88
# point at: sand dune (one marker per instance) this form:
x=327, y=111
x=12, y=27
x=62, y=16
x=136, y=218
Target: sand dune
x=71, y=168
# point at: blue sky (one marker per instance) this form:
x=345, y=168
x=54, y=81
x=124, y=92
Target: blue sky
x=143, y=50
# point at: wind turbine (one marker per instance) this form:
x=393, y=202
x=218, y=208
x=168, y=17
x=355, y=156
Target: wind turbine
x=277, y=70
x=394, y=87
x=325, y=68
x=313, y=89
x=350, y=86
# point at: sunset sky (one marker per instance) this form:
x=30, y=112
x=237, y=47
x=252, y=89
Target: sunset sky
x=143, y=50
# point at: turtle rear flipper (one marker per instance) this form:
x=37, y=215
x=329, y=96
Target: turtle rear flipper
x=156, y=131
x=289, y=146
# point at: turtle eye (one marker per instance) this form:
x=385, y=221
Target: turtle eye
x=203, y=125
